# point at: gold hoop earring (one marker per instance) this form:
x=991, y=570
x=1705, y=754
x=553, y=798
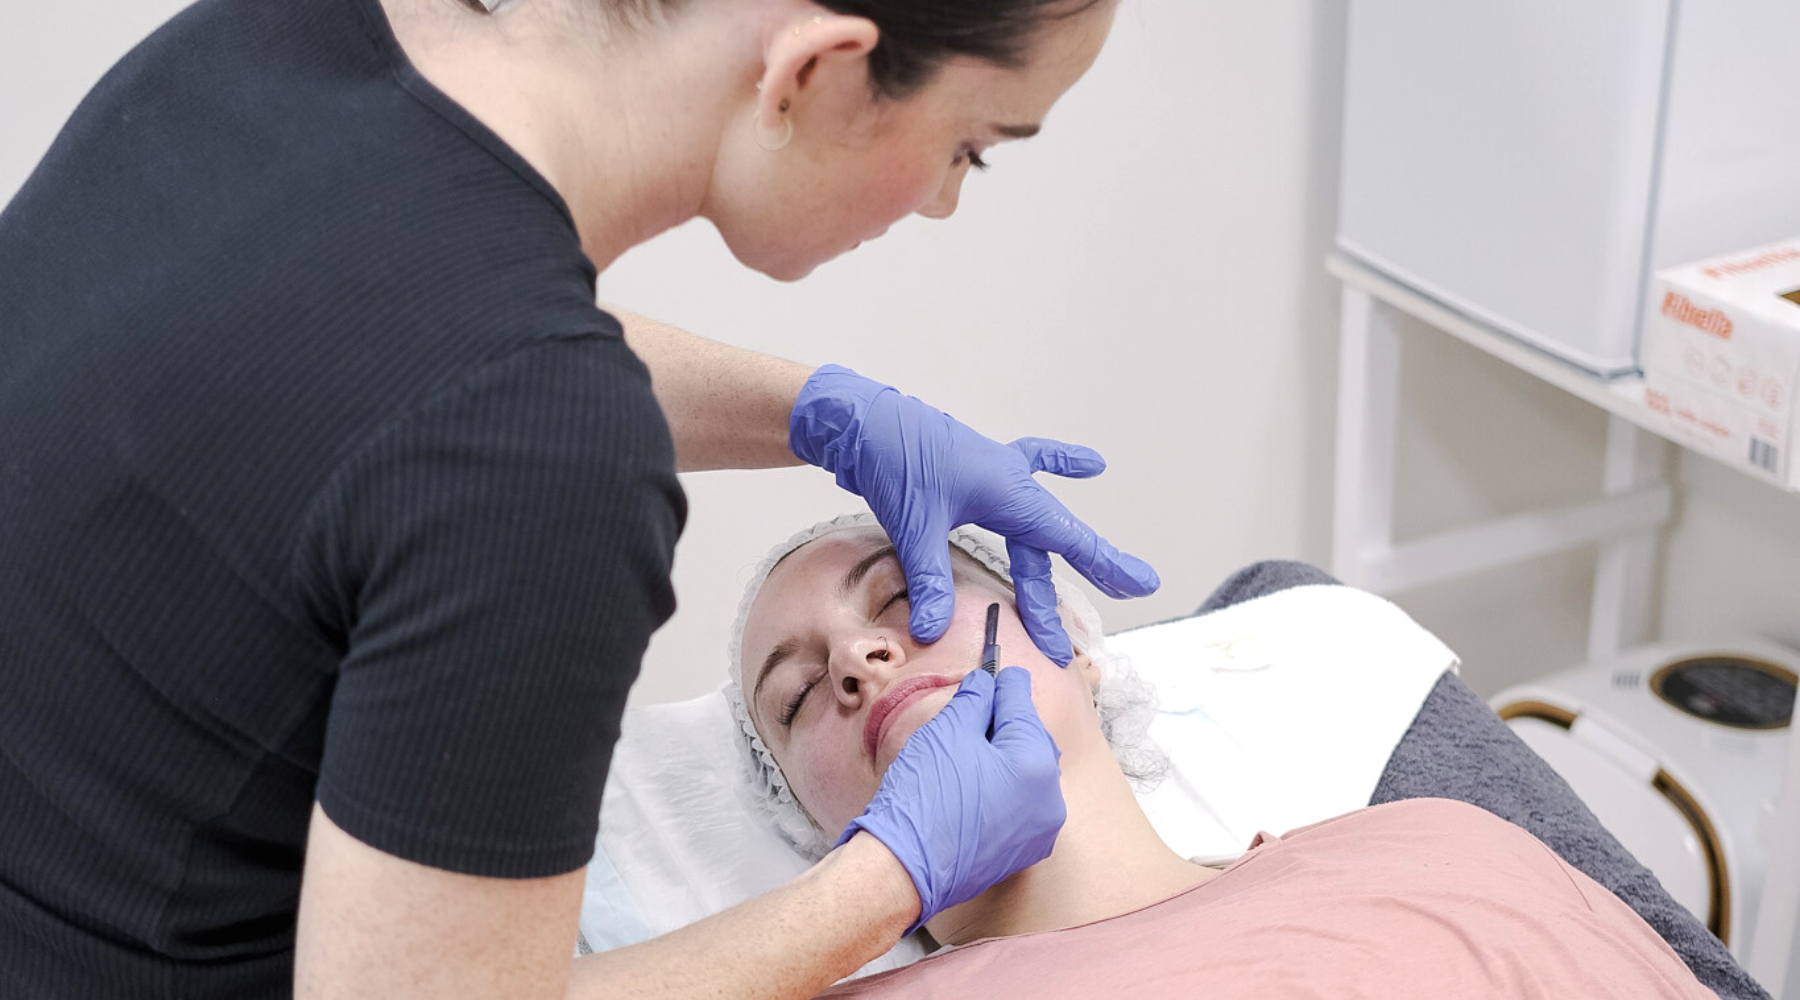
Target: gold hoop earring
x=774, y=140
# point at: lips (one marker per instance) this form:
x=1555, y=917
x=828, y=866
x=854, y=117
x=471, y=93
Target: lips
x=898, y=696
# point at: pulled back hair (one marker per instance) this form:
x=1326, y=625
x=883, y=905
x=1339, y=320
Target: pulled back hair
x=919, y=36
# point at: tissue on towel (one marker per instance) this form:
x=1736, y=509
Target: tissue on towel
x=1278, y=712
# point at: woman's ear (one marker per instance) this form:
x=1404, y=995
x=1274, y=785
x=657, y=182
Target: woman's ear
x=1083, y=663
x=810, y=52
x=1088, y=668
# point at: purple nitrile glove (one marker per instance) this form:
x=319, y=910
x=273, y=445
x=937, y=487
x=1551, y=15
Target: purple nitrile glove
x=924, y=473
x=962, y=810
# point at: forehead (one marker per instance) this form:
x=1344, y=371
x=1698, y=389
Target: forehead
x=808, y=578
x=802, y=575
x=824, y=558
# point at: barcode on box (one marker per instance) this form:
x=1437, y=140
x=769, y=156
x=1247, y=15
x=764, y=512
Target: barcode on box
x=1764, y=455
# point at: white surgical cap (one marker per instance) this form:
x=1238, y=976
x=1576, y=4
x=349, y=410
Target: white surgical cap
x=1125, y=703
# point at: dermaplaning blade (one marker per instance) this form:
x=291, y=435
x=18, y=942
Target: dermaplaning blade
x=990, y=649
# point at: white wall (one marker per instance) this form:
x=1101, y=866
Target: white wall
x=1145, y=278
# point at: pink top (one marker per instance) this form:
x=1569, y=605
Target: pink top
x=1423, y=898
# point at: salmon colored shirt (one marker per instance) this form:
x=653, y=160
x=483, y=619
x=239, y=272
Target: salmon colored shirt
x=1422, y=898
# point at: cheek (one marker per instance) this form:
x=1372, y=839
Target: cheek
x=1065, y=703
x=896, y=184
x=827, y=777
x=1063, y=699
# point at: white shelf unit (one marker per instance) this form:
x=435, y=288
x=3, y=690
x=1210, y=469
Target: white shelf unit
x=1635, y=501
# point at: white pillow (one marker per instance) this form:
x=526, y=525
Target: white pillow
x=1276, y=712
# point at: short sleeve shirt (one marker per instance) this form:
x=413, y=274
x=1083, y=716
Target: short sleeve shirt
x=322, y=478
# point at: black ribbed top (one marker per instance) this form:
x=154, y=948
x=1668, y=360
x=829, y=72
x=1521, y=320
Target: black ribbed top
x=321, y=475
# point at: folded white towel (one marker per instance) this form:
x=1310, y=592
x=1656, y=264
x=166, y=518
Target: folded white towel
x=1278, y=712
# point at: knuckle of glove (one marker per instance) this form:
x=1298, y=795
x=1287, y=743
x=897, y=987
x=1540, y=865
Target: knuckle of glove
x=1024, y=784
x=1042, y=776
x=1042, y=764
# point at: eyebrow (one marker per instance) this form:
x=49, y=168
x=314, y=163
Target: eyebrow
x=787, y=648
x=782, y=652
x=861, y=569
x=1018, y=131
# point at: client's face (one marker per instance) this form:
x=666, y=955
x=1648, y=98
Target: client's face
x=835, y=682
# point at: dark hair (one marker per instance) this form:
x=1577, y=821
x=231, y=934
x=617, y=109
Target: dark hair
x=918, y=36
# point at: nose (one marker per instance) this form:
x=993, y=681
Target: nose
x=861, y=666
x=944, y=205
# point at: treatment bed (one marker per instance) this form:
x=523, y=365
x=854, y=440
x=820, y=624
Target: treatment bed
x=1325, y=699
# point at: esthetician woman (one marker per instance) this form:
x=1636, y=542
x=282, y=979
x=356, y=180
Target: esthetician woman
x=335, y=516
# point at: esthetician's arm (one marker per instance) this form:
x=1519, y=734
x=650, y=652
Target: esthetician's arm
x=922, y=471
x=974, y=797
x=964, y=810
x=727, y=408
x=792, y=942
x=376, y=926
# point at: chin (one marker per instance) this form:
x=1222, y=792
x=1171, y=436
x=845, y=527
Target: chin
x=790, y=272
x=780, y=269
x=773, y=261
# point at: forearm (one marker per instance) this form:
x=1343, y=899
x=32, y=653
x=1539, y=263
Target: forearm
x=790, y=943
x=726, y=407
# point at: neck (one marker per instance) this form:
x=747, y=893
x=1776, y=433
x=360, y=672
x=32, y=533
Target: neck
x=1108, y=860
x=624, y=122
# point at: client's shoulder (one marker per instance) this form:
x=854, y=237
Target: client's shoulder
x=1428, y=844
x=1412, y=817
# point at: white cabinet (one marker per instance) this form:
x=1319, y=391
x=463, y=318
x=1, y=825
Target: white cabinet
x=1529, y=163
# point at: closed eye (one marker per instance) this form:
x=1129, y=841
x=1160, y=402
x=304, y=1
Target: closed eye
x=900, y=596
x=792, y=708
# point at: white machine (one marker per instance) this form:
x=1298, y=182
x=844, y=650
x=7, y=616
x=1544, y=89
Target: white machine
x=1680, y=750
x=1530, y=163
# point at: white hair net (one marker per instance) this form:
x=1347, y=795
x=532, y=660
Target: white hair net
x=1126, y=704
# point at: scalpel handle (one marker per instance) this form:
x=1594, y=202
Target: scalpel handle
x=990, y=649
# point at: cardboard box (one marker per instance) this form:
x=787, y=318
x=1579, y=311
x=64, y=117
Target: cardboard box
x=1721, y=357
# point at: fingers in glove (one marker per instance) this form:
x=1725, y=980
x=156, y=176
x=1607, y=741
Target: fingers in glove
x=1016, y=723
x=1058, y=458
x=1117, y=574
x=972, y=706
x=1051, y=528
x=1035, y=593
x=930, y=589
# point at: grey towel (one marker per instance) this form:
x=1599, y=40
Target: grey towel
x=1457, y=748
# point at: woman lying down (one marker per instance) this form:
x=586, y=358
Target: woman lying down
x=1419, y=898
